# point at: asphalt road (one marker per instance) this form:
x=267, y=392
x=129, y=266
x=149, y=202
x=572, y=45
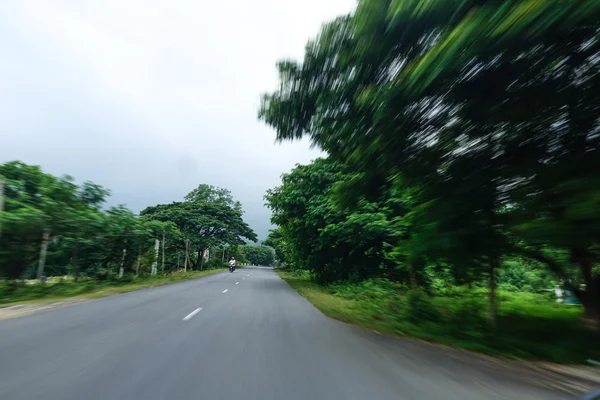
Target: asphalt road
x=245, y=335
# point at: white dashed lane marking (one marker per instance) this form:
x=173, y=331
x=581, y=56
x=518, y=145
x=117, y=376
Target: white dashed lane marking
x=190, y=315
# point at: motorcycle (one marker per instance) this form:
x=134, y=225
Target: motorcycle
x=231, y=268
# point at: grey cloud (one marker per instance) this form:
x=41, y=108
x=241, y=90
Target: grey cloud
x=151, y=98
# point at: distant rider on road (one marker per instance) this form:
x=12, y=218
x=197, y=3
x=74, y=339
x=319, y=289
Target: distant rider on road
x=232, y=263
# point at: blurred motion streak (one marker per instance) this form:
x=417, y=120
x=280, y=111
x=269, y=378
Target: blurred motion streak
x=463, y=161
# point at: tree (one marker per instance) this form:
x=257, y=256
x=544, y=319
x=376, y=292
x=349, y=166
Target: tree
x=208, y=194
x=78, y=235
x=323, y=236
x=259, y=255
x=277, y=242
x=85, y=223
x=39, y=207
x=84, y=219
x=464, y=104
x=208, y=217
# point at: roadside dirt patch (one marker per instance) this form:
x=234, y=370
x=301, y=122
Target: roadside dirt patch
x=25, y=309
x=570, y=378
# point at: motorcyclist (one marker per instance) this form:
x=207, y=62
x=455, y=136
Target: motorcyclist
x=232, y=263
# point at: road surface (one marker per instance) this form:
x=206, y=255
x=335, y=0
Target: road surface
x=241, y=335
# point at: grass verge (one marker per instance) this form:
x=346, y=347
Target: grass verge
x=15, y=293
x=529, y=326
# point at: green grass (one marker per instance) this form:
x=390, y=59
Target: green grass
x=529, y=326
x=16, y=293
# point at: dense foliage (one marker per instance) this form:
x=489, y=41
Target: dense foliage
x=208, y=217
x=334, y=242
x=530, y=325
x=258, y=255
x=460, y=135
x=52, y=226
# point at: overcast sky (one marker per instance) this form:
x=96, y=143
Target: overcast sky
x=149, y=98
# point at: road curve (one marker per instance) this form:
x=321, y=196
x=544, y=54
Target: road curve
x=241, y=335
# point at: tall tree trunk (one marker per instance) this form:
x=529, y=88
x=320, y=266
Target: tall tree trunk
x=122, y=266
x=202, y=260
x=187, y=255
x=139, y=261
x=74, y=257
x=494, y=262
x=199, y=260
x=162, y=268
x=590, y=298
x=412, y=277
x=155, y=263
x=43, y=252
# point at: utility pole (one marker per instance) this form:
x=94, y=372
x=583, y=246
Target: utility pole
x=1, y=203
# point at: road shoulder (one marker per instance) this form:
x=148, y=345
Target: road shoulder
x=571, y=379
x=29, y=306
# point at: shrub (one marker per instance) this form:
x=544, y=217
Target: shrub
x=103, y=274
x=8, y=287
x=420, y=308
x=370, y=289
x=466, y=319
x=127, y=278
x=215, y=263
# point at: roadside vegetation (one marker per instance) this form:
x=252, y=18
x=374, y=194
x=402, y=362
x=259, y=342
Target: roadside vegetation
x=18, y=292
x=258, y=255
x=530, y=325
x=461, y=181
x=62, y=235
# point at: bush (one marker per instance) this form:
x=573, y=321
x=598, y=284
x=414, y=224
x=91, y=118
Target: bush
x=9, y=287
x=103, y=274
x=301, y=273
x=215, y=263
x=420, y=308
x=466, y=319
x=529, y=325
x=127, y=278
x=371, y=289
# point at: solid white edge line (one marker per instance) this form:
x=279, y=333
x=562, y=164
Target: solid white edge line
x=225, y=291
x=190, y=315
